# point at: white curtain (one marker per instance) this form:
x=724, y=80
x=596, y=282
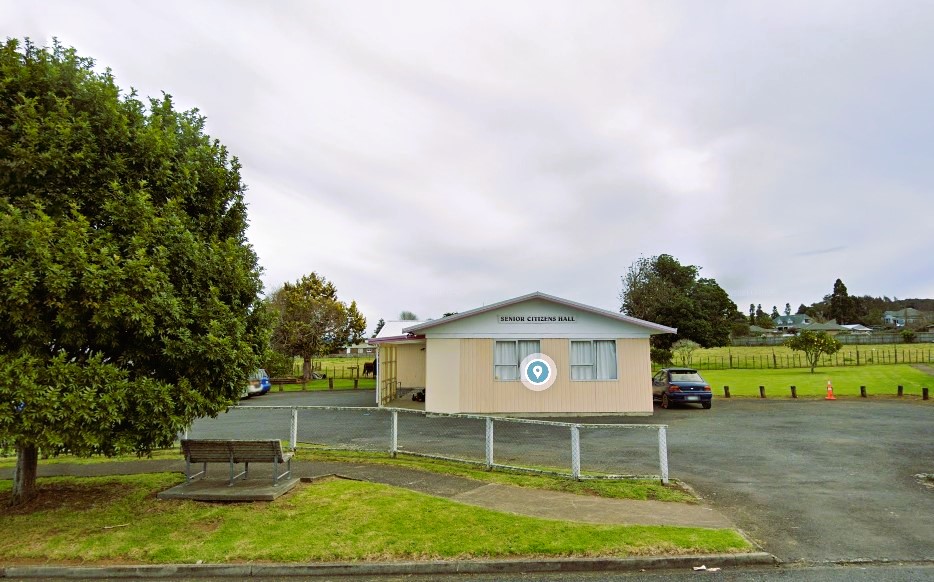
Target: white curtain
x=606, y=359
x=582, y=361
x=527, y=348
x=505, y=361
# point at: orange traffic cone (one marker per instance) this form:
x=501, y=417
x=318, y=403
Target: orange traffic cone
x=830, y=395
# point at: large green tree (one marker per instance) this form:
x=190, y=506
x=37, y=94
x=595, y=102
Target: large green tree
x=662, y=290
x=312, y=321
x=130, y=294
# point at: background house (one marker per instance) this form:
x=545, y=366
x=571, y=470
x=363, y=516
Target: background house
x=907, y=316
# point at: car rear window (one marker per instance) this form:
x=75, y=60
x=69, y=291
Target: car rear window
x=686, y=377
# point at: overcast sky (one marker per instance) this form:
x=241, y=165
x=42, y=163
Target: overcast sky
x=437, y=156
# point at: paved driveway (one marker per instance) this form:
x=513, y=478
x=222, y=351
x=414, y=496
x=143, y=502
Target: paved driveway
x=814, y=480
x=808, y=480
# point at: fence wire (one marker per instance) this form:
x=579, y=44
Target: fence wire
x=576, y=450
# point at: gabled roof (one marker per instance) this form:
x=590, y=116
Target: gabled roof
x=426, y=325
x=795, y=319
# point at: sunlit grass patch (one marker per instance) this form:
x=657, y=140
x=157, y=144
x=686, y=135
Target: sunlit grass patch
x=118, y=519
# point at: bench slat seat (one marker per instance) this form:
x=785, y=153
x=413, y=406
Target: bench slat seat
x=235, y=452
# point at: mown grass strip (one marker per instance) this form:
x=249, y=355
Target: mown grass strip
x=331, y=520
x=880, y=381
x=614, y=489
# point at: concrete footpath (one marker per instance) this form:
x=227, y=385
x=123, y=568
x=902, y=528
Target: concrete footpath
x=506, y=498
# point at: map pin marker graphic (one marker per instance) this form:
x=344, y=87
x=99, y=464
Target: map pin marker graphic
x=537, y=370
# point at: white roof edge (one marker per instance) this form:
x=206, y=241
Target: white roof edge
x=657, y=327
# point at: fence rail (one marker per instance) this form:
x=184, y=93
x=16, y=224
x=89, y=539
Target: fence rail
x=576, y=450
x=920, y=337
x=845, y=357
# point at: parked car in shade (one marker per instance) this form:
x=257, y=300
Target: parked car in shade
x=681, y=386
x=258, y=384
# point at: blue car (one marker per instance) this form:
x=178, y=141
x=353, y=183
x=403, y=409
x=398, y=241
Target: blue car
x=258, y=384
x=681, y=386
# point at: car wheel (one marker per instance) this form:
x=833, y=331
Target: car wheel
x=665, y=402
x=706, y=405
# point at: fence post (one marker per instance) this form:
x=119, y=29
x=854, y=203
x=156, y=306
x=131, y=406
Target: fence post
x=901, y=391
x=331, y=382
x=794, y=391
x=293, y=436
x=663, y=453
x=726, y=391
x=924, y=394
x=355, y=383
x=761, y=391
x=489, y=443
x=862, y=392
x=576, y=451
x=394, y=434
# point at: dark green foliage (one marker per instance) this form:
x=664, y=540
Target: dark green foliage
x=130, y=292
x=408, y=316
x=908, y=336
x=662, y=290
x=660, y=356
x=763, y=319
x=379, y=326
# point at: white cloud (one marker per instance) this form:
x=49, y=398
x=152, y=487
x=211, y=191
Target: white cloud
x=434, y=156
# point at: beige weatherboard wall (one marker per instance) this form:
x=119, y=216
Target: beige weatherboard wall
x=461, y=353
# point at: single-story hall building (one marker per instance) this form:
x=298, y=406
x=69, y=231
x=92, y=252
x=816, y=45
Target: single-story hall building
x=534, y=354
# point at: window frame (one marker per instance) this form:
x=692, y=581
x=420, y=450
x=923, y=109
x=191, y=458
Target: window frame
x=594, y=357
x=519, y=358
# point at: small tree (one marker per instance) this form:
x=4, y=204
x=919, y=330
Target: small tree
x=908, y=336
x=312, y=321
x=814, y=345
x=379, y=326
x=683, y=348
x=408, y=316
x=788, y=309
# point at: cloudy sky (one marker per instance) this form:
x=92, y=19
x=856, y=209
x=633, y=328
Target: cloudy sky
x=436, y=156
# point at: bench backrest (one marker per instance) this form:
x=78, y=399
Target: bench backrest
x=243, y=451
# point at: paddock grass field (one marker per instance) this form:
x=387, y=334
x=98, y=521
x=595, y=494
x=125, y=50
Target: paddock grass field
x=784, y=357
x=880, y=381
x=118, y=519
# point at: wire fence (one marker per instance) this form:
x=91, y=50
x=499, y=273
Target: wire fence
x=920, y=337
x=577, y=450
x=845, y=357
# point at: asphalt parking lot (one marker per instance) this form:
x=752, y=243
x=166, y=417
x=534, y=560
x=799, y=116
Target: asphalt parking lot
x=808, y=480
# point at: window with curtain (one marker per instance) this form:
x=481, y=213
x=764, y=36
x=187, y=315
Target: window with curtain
x=593, y=360
x=508, y=354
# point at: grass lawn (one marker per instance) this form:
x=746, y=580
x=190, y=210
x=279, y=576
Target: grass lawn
x=339, y=384
x=616, y=489
x=119, y=520
x=878, y=380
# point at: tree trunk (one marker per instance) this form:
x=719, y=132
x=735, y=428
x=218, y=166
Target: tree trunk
x=24, y=479
x=306, y=368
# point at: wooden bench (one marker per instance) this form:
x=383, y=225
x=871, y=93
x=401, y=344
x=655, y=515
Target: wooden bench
x=235, y=452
